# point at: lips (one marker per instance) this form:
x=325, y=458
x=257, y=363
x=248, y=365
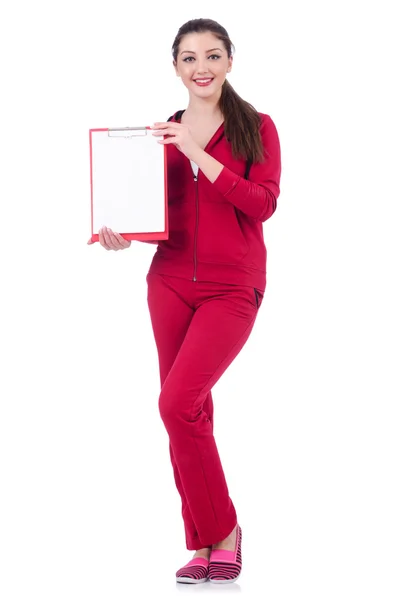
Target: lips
x=203, y=81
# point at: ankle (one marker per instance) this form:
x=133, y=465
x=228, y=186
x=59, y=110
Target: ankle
x=227, y=541
x=202, y=553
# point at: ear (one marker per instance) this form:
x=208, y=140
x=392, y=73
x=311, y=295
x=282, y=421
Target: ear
x=230, y=64
x=176, y=68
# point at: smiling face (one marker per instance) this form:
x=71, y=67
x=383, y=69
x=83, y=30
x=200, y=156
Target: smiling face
x=202, y=56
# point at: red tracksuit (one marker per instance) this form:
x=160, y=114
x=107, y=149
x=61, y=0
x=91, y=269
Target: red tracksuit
x=205, y=286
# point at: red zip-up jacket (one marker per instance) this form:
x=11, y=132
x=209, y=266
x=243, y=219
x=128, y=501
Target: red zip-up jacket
x=215, y=229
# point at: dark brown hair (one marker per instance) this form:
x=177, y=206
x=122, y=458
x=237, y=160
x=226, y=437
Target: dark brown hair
x=241, y=120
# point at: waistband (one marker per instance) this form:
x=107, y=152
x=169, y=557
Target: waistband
x=212, y=272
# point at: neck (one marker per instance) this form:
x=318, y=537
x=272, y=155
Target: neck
x=204, y=108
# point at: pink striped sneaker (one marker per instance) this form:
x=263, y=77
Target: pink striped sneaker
x=195, y=571
x=225, y=565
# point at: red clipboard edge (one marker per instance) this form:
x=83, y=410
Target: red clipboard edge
x=147, y=236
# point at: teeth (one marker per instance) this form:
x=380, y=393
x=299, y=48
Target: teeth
x=203, y=80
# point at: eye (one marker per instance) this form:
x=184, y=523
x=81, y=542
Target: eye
x=187, y=58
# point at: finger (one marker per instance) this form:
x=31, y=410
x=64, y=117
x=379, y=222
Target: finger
x=124, y=243
x=170, y=140
x=170, y=126
x=108, y=238
x=164, y=131
x=115, y=242
x=102, y=239
x=167, y=124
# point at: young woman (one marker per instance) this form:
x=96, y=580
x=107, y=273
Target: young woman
x=207, y=281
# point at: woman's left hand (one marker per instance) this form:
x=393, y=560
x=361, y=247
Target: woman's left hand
x=179, y=134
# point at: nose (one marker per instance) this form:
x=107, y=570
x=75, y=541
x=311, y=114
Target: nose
x=201, y=66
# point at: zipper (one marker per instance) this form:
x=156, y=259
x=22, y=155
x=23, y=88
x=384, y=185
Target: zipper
x=195, y=177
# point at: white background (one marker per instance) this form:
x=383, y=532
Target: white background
x=88, y=506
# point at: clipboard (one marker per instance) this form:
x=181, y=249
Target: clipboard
x=128, y=176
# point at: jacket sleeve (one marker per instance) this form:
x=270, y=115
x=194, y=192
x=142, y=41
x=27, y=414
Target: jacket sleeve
x=256, y=196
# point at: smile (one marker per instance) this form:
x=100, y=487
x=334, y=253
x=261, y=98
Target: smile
x=203, y=81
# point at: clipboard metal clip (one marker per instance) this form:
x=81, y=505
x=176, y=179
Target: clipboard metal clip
x=133, y=132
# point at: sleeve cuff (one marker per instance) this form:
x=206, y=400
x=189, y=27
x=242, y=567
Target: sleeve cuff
x=226, y=181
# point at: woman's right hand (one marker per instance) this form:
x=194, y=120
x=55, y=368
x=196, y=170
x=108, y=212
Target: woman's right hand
x=111, y=240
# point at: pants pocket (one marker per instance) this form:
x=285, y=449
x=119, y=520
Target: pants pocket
x=258, y=297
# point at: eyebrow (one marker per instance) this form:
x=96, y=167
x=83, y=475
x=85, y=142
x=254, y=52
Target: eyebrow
x=211, y=49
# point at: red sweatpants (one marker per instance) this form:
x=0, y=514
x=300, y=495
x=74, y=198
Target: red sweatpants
x=199, y=328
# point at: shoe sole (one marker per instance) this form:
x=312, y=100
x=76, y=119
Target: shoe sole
x=216, y=581
x=190, y=580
